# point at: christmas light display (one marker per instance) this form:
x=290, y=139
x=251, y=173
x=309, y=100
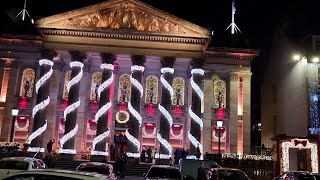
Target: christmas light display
x=313, y=98
x=135, y=142
x=24, y=128
x=135, y=113
x=147, y=134
x=215, y=136
x=34, y=135
x=195, y=143
x=166, y=114
x=122, y=121
x=194, y=86
x=135, y=82
x=297, y=143
x=165, y=82
x=40, y=106
x=96, y=140
x=166, y=144
x=177, y=136
x=109, y=81
x=196, y=118
x=71, y=108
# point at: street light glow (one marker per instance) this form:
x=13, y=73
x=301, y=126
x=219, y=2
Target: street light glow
x=296, y=57
x=219, y=123
x=15, y=112
x=315, y=59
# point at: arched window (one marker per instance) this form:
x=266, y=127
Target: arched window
x=95, y=83
x=27, y=82
x=219, y=93
x=67, y=78
x=151, y=95
x=178, y=91
x=124, y=92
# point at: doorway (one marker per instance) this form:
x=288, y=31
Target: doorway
x=120, y=141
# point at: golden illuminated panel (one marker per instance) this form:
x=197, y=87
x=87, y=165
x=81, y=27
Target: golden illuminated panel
x=178, y=91
x=219, y=93
x=151, y=89
x=96, y=80
x=124, y=88
x=66, y=81
x=27, y=82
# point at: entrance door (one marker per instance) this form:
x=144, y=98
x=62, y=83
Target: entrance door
x=120, y=141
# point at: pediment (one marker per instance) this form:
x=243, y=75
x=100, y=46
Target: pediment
x=123, y=15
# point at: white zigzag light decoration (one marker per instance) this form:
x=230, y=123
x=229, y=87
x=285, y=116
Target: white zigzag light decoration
x=134, y=112
x=104, y=109
x=193, y=115
x=165, y=112
x=71, y=108
x=40, y=106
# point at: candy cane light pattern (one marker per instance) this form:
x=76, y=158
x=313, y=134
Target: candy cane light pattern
x=40, y=106
x=193, y=115
x=104, y=109
x=71, y=108
x=165, y=112
x=133, y=111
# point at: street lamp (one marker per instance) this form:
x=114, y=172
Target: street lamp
x=219, y=125
x=14, y=113
x=159, y=145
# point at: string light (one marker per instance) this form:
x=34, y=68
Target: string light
x=34, y=135
x=147, y=134
x=135, y=113
x=194, y=85
x=166, y=114
x=98, y=139
x=195, y=143
x=135, y=142
x=24, y=128
x=71, y=108
x=109, y=81
x=285, y=153
x=165, y=143
x=134, y=155
x=196, y=118
x=165, y=82
x=40, y=106
x=313, y=98
x=177, y=136
x=102, y=110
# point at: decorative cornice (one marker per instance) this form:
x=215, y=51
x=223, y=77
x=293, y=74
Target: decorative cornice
x=20, y=42
x=119, y=35
x=231, y=53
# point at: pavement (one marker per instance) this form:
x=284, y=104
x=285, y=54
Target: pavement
x=133, y=178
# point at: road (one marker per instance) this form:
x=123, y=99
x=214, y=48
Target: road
x=133, y=178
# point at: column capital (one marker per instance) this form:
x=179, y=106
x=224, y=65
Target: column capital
x=167, y=62
x=234, y=76
x=77, y=55
x=48, y=53
x=138, y=60
x=246, y=77
x=197, y=63
x=108, y=58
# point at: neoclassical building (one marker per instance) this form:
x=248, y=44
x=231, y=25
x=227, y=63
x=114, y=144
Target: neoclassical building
x=124, y=74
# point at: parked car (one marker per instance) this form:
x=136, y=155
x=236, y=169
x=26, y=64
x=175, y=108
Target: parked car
x=163, y=172
x=98, y=167
x=51, y=174
x=189, y=167
x=297, y=175
x=12, y=165
x=227, y=174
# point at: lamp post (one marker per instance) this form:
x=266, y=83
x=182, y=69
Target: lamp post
x=219, y=125
x=159, y=146
x=14, y=113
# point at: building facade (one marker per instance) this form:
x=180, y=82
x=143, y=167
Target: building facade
x=123, y=74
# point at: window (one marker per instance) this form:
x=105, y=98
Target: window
x=178, y=91
x=219, y=93
x=27, y=82
x=67, y=78
x=19, y=165
x=124, y=92
x=151, y=95
x=95, y=83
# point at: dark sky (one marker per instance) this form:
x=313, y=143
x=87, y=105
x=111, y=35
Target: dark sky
x=255, y=18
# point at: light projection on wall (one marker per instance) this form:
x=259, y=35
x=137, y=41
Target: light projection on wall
x=178, y=86
x=219, y=93
x=67, y=78
x=124, y=92
x=151, y=95
x=27, y=82
x=95, y=83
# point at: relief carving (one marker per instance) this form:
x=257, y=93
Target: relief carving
x=125, y=16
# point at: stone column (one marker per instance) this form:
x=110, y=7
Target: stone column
x=71, y=126
x=2, y=68
x=99, y=142
x=246, y=113
x=11, y=101
x=207, y=115
x=233, y=123
x=195, y=110
x=39, y=112
x=134, y=105
x=166, y=120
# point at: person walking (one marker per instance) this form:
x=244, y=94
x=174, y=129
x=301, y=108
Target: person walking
x=49, y=145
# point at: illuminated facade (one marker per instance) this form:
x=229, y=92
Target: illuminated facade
x=112, y=68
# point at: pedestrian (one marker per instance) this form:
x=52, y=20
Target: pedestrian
x=119, y=167
x=149, y=152
x=202, y=175
x=143, y=155
x=49, y=145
